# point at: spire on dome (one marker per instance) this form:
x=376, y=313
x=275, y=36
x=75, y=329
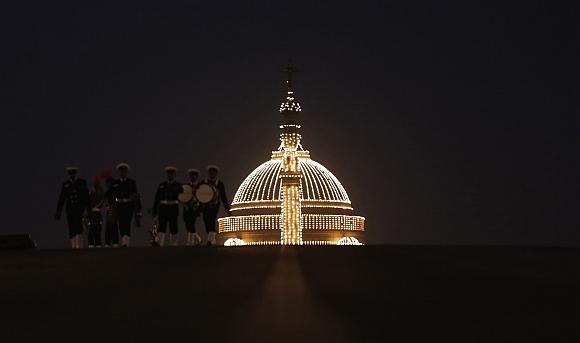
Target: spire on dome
x=289, y=105
x=290, y=127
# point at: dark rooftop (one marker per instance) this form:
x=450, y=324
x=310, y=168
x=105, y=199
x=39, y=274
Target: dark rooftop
x=306, y=294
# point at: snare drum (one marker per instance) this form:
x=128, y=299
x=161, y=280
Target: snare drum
x=186, y=195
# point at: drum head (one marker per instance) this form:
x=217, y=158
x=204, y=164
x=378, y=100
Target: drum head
x=187, y=189
x=205, y=193
x=185, y=197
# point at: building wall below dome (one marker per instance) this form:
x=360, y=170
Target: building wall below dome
x=272, y=237
x=330, y=237
x=265, y=228
x=265, y=237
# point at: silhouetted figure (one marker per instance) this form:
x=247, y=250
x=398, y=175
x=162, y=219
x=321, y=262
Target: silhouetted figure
x=111, y=225
x=211, y=208
x=75, y=194
x=127, y=203
x=191, y=210
x=94, y=215
x=166, y=207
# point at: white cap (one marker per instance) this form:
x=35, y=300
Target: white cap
x=123, y=165
x=71, y=168
x=170, y=169
x=192, y=171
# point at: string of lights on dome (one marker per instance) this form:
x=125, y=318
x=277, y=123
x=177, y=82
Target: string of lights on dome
x=317, y=184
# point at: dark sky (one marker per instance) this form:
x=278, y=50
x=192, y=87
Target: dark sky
x=446, y=123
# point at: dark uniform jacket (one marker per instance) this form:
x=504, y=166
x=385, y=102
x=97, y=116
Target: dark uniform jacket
x=96, y=202
x=221, y=188
x=75, y=194
x=126, y=189
x=110, y=201
x=166, y=191
x=96, y=199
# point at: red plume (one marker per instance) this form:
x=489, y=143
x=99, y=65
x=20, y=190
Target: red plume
x=102, y=175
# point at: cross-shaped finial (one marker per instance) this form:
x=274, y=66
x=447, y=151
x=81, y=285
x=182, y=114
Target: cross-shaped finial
x=290, y=70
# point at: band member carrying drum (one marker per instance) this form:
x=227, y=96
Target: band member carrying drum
x=127, y=203
x=75, y=194
x=190, y=207
x=210, y=193
x=94, y=215
x=111, y=224
x=166, y=207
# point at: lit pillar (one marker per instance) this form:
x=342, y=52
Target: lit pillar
x=290, y=223
x=291, y=227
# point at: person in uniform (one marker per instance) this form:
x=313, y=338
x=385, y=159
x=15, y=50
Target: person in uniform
x=166, y=207
x=210, y=210
x=191, y=210
x=127, y=203
x=75, y=194
x=111, y=225
x=94, y=215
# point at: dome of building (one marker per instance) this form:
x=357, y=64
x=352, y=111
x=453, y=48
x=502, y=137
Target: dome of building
x=291, y=199
x=318, y=185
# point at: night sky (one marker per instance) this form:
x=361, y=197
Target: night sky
x=446, y=123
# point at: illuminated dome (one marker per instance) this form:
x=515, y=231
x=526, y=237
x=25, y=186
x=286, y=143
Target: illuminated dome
x=291, y=199
x=264, y=186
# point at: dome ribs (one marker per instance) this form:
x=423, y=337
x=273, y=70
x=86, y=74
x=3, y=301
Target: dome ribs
x=306, y=180
x=266, y=186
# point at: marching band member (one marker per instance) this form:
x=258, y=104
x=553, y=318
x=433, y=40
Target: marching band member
x=166, y=206
x=127, y=203
x=191, y=210
x=94, y=215
x=75, y=195
x=210, y=210
x=111, y=225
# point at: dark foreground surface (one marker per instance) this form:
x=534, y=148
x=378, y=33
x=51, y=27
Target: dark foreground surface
x=273, y=294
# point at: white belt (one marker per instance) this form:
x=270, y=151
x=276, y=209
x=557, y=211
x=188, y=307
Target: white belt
x=123, y=200
x=169, y=202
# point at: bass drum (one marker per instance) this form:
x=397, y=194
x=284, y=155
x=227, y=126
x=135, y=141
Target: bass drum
x=206, y=194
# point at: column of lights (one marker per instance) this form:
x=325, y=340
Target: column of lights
x=291, y=228
x=290, y=222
